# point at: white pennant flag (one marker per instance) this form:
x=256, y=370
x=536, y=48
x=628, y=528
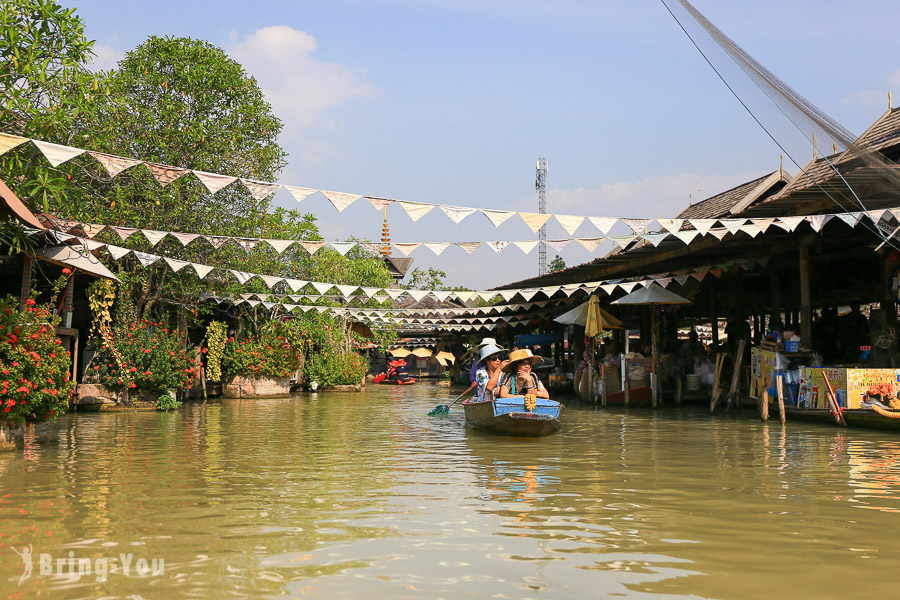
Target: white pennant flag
x=557, y=245
x=300, y=193
x=279, y=245
x=497, y=247
x=144, y=258
x=732, y=225
x=789, y=224
x=381, y=298
x=405, y=249
x=604, y=224
x=569, y=222
x=340, y=200
x=636, y=225
x=117, y=252
x=312, y=247
x=216, y=241
x=370, y=291
x=380, y=203
x=671, y=225
x=457, y=213
x=655, y=238
x=441, y=295
x=464, y=296
x=609, y=288
x=213, y=181
x=468, y=246
x=627, y=286
x=818, y=221
x=296, y=285
x=270, y=281
x=175, y=264
x=623, y=240
x=91, y=229
x=343, y=247
x=184, y=238
x=394, y=293
x=153, y=236
x=526, y=246
x=850, y=219
x=241, y=276
x=114, y=164
x=437, y=247
x=702, y=225
x=347, y=290
x=57, y=154
x=719, y=232
x=322, y=287
x=9, y=141
x=590, y=244
x=418, y=294
x=875, y=215
x=687, y=235
x=164, y=174
x=496, y=217
x=415, y=210
x=260, y=189
x=763, y=224
x=750, y=229
x=534, y=220
x=487, y=296
x=508, y=295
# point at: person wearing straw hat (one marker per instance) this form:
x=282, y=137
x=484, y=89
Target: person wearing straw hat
x=484, y=342
x=488, y=373
x=518, y=379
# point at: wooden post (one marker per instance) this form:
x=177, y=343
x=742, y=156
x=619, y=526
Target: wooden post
x=603, y=384
x=805, y=308
x=735, y=377
x=778, y=383
x=764, y=404
x=654, y=380
x=626, y=380
x=832, y=401
x=678, y=390
x=720, y=360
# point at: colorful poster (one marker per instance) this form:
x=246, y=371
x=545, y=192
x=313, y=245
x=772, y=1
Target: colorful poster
x=860, y=380
x=813, y=388
x=762, y=367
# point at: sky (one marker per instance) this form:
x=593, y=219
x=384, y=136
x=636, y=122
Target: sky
x=453, y=101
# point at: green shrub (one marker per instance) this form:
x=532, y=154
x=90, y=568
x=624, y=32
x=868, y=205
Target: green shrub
x=167, y=402
x=275, y=352
x=331, y=367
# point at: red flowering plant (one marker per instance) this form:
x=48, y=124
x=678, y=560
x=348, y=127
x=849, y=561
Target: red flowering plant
x=143, y=356
x=34, y=368
x=276, y=351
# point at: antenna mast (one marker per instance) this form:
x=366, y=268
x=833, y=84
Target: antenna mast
x=540, y=184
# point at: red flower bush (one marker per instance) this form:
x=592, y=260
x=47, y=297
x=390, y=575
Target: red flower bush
x=34, y=375
x=276, y=352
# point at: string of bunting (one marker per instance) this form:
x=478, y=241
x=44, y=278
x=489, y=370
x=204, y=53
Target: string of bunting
x=57, y=154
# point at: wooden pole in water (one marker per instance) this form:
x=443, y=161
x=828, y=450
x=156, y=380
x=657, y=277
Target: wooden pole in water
x=603, y=384
x=735, y=378
x=780, y=389
x=654, y=380
x=720, y=359
x=832, y=401
x=764, y=404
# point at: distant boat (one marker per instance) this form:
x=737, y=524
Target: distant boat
x=509, y=416
x=396, y=374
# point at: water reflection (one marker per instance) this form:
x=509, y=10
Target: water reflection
x=364, y=496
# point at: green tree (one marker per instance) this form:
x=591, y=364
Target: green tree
x=557, y=264
x=422, y=279
x=46, y=91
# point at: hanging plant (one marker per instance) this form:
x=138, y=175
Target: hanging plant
x=101, y=295
x=215, y=342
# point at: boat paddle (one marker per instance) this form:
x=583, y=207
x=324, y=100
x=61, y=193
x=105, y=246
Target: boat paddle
x=443, y=409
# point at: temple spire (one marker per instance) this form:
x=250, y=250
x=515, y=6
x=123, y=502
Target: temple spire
x=385, y=238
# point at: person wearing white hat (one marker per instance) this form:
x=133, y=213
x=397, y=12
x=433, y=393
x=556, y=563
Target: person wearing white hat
x=488, y=373
x=484, y=342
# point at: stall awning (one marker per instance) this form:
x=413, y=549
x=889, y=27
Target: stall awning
x=445, y=358
x=67, y=256
x=422, y=352
x=400, y=352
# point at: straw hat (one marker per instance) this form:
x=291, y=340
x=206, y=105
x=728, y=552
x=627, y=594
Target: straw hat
x=487, y=352
x=517, y=356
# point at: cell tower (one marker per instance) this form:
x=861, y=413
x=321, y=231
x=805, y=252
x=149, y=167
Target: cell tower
x=540, y=184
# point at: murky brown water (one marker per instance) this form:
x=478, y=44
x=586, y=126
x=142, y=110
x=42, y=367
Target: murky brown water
x=364, y=496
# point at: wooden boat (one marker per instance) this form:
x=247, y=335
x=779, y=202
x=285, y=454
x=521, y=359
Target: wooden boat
x=855, y=417
x=407, y=380
x=638, y=396
x=508, y=416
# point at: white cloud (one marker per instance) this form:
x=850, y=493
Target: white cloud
x=300, y=87
x=105, y=57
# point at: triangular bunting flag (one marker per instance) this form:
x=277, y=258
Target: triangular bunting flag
x=655, y=238
x=144, y=258
x=590, y=244
x=627, y=286
x=279, y=245
x=457, y=213
x=380, y=203
x=468, y=246
x=113, y=164
x=526, y=246
x=732, y=225
x=343, y=247
x=340, y=200
x=184, y=238
x=394, y=293
x=702, y=225
x=534, y=220
x=569, y=222
x=763, y=224
x=487, y=296
x=153, y=236
x=789, y=224
x=604, y=224
x=57, y=154
x=750, y=229
x=671, y=225
x=875, y=215
x=682, y=279
x=381, y=298
x=216, y=241
x=818, y=221
x=609, y=288
x=437, y=247
x=719, y=232
x=557, y=245
x=312, y=247
x=418, y=294
x=296, y=284
x=92, y=229
x=9, y=141
x=497, y=247
x=270, y=281
x=347, y=290
x=699, y=274
x=850, y=219
x=496, y=217
x=623, y=240
x=165, y=174
x=117, y=252
x=415, y=210
x=637, y=225
x=241, y=276
x=322, y=287
x=213, y=181
x=663, y=281
x=176, y=265
x=405, y=249
x=464, y=296
x=300, y=193
x=508, y=294
x=441, y=295
x=260, y=189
